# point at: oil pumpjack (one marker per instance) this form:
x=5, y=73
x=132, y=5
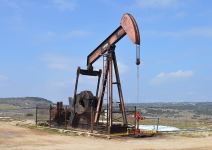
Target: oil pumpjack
x=82, y=103
x=84, y=106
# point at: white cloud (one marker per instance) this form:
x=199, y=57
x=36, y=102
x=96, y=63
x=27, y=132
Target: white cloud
x=123, y=68
x=46, y=36
x=15, y=18
x=157, y=3
x=181, y=14
x=64, y=5
x=171, y=76
x=61, y=62
x=192, y=32
x=199, y=31
x=50, y=36
x=57, y=62
x=77, y=33
x=3, y=78
x=61, y=83
x=69, y=64
x=10, y=3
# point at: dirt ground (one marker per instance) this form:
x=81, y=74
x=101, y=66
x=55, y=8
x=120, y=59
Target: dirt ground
x=19, y=138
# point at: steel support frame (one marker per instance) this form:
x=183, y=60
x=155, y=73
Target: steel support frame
x=108, y=71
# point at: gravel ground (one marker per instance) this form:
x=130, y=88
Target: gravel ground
x=18, y=138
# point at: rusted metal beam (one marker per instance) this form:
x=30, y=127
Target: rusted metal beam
x=110, y=90
x=75, y=89
x=99, y=77
x=105, y=45
x=128, y=26
x=102, y=92
x=89, y=73
x=119, y=88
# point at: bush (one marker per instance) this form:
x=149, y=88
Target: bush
x=29, y=115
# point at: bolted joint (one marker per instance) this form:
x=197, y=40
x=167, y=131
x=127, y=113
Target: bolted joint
x=138, y=61
x=90, y=68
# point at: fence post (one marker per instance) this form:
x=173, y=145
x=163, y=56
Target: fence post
x=135, y=118
x=65, y=117
x=92, y=118
x=36, y=115
x=50, y=117
x=157, y=123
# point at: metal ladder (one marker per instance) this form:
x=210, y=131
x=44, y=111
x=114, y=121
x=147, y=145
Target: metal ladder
x=106, y=100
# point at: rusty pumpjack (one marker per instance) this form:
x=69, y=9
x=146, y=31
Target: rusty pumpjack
x=128, y=26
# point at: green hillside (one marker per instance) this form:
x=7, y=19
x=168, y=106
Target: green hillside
x=23, y=102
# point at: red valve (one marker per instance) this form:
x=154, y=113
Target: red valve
x=142, y=118
x=138, y=115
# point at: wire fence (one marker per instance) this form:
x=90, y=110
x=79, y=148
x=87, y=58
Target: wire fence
x=43, y=116
x=18, y=113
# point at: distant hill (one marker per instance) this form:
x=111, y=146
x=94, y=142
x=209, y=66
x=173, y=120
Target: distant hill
x=169, y=108
x=23, y=102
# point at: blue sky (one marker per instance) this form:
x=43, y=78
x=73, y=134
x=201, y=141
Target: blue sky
x=43, y=41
